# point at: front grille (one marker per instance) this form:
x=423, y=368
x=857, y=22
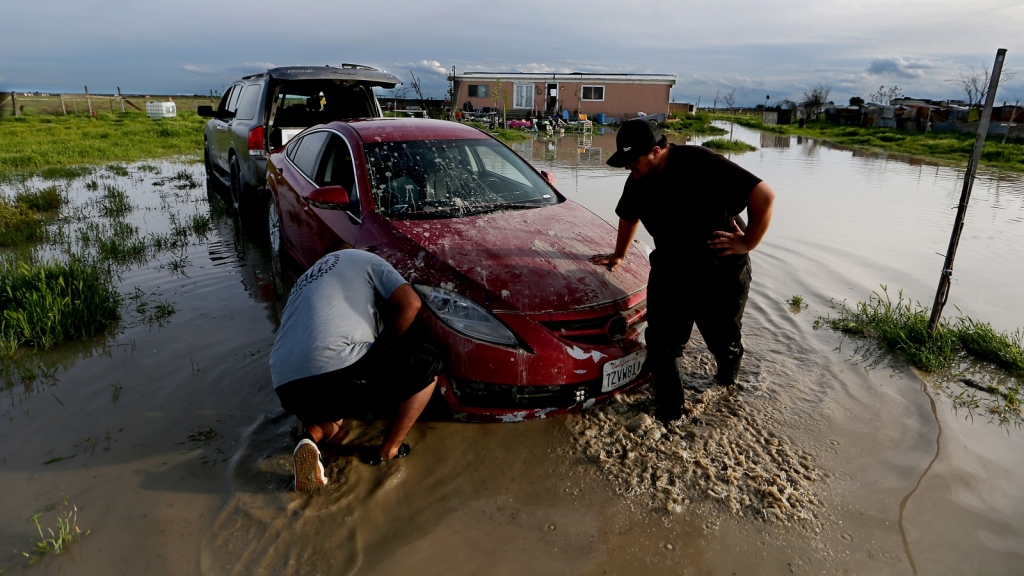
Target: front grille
x=487, y=395
x=600, y=329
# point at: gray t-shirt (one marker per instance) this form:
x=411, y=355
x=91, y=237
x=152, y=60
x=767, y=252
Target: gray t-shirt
x=331, y=317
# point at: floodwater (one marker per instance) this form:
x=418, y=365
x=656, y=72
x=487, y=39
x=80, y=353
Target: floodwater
x=830, y=458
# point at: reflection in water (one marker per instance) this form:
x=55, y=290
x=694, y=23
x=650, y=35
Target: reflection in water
x=769, y=140
x=906, y=499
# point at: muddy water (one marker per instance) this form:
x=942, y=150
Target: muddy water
x=829, y=458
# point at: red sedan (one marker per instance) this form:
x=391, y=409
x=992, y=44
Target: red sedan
x=528, y=326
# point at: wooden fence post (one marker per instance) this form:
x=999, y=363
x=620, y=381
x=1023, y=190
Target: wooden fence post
x=120, y=98
x=87, y=100
x=62, y=107
x=14, y=104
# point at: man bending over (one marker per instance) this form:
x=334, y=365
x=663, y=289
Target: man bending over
x=341, y=352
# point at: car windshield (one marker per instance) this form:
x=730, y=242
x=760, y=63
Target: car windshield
x=452, y=178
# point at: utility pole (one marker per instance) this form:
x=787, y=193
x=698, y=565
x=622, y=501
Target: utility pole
x=942, y=294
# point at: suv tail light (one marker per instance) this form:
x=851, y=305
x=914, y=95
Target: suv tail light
x=256, y=141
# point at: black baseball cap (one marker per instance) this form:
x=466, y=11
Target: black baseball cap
x=636, y=138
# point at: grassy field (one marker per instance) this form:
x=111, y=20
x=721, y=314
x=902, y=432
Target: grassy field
x=953, y=147
x=51, y=145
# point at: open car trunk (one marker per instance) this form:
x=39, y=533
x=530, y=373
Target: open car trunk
x=303, y=96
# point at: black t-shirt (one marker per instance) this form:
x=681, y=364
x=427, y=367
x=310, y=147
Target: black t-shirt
x=696, y=193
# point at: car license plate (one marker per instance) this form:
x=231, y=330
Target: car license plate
x=622, y=371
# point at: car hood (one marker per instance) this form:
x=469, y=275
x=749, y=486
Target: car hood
x=535, y=260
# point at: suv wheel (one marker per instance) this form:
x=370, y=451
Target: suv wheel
x=212, y=182
x=236, y=184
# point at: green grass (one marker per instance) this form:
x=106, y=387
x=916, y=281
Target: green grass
x=699, y=123
x=114, y=203
x=902, y=326
x=724, y=144
x=64, y=146
x=19, y=224
x=983, y=342
x=48, y=199
x=44, y=304
x=511, y=134
x=57, y=542
x=954, y=147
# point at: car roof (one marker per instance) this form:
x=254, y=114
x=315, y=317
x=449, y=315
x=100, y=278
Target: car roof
x=404, y=129
x=347, y=72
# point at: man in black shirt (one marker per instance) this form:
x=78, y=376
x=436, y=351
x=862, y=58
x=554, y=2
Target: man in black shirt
x=689, y=198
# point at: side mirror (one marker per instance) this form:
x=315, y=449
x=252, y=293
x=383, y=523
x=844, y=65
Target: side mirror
x=330, y=198
x=206, y=111
x=549, y=176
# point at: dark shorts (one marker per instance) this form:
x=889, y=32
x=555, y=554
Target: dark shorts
x=377, y=383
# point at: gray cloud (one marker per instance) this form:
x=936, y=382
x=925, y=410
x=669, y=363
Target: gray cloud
x=199, y=70
x=899, y=67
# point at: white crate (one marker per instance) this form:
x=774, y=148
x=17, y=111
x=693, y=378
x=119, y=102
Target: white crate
x=161, y=109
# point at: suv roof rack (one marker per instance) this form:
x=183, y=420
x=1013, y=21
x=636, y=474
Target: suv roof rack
x=348, y=72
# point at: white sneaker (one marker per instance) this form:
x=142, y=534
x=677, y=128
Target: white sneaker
x=309, y=471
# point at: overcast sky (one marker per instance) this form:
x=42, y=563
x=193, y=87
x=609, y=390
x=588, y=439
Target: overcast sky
x=779, y=49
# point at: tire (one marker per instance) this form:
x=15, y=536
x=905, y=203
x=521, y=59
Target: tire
x=277, y=252
x=213, y=183
x=237, y=186
x=273, y=228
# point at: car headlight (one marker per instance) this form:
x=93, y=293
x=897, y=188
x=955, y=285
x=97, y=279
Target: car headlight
x=465, y=316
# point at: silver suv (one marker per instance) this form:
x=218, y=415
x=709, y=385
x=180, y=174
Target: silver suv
x=259, y=113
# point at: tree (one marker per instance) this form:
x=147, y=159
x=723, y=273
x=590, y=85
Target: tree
x=975, y=84
x=885, y=96
x=786, y=104
x=856, y=101
x=815, y=100
x=729, y=100
x=501, y=98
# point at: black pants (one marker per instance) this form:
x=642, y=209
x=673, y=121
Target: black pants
x=713, y=298
x=387, y=375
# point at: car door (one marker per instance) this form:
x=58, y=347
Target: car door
x=221, y=138
x=330, y=225
x=293, y=187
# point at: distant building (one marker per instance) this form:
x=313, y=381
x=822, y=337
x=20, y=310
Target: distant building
x=616, y=96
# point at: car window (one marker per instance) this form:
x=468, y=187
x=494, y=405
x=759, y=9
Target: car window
x=451, y=178
x=223, y=106
x=236, y=92
x=336, y=168
x=248, y=103
x=305, y=152
x=310, y=103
